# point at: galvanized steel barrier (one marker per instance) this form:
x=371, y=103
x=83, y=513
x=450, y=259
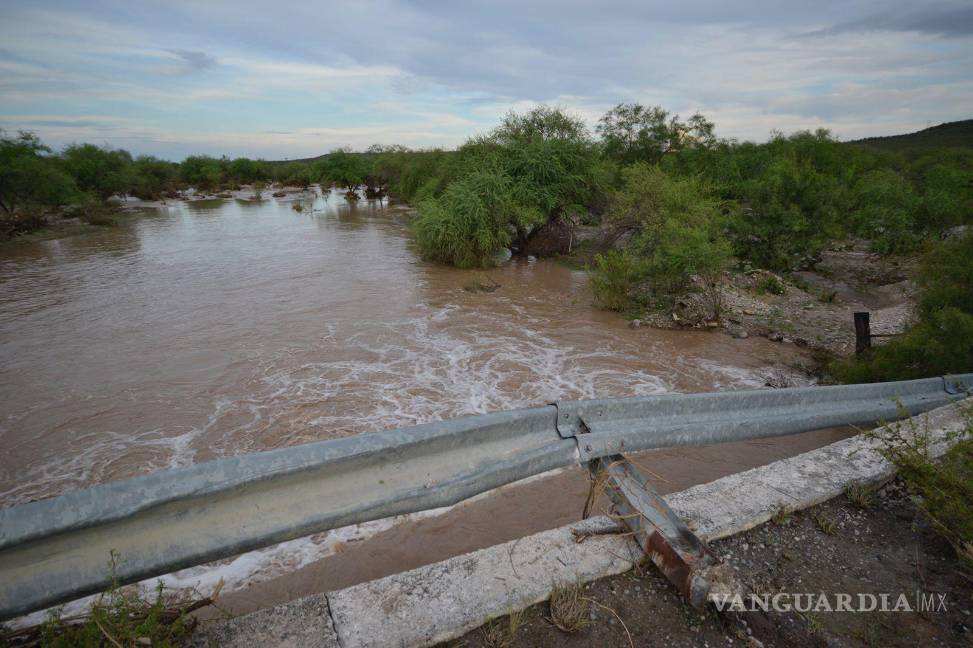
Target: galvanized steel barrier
x=58, y=549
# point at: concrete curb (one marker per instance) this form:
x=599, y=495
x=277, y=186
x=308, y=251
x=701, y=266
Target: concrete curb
x=444, y=600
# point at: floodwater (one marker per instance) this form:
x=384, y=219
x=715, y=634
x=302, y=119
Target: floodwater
x=214, y=328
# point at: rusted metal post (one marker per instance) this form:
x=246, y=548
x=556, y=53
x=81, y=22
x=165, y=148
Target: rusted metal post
x=669, y=543
x=863, y=333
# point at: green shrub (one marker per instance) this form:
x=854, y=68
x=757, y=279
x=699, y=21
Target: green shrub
x=946, y=276
x=885, y=208
x=941, y=489
x=676, y=233
x=772, y=285
x=616, y=280
x=471, y=221
x=533, y=168
x=99, y=171
x=202, y=172
x=944, y=178
x=794, y=192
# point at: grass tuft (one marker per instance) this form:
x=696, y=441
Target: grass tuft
x=781, y=516
x=825, y=523
x=859, y=495
x=570, y=609
x=498, y=634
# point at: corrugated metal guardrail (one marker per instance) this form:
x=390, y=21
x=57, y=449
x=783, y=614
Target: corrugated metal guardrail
x=58, y=549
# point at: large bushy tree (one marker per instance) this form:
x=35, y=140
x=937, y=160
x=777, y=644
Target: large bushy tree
x=29, y=176
x=99, y=171
x=545, y=165
x=636, y=133
x=344, y=168
x=674, y=231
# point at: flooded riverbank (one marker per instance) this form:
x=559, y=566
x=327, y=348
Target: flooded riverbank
x=215, y=328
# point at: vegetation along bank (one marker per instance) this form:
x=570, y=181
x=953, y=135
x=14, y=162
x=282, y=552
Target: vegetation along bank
x=674, y=225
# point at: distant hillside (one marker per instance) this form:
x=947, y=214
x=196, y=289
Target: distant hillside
x=958, y=134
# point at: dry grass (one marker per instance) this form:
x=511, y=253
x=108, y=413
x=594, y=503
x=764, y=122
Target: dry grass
x=570, y=609
x=859, y=495
x=825, y=523
x=781, y=515
x=502, y=632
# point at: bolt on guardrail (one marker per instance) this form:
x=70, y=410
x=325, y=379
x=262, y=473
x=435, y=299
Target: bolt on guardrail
x=57, y=549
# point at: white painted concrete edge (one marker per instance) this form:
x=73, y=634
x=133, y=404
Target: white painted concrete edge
x=445, y=600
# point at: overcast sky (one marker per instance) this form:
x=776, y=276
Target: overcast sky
x=279, y=79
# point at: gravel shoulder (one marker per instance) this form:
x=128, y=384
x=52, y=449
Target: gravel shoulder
x=885, y=547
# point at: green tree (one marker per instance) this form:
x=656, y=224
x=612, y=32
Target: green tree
x=202, y=172
x=102, y=172
x=153, y=177
x=946, y=276
x=29, y=177
x=944, y=179
x=532, y=169
x=344, y=168
x=674, y=229
x=247, y=171
x=294, y=174
x=636, y=133
x=885, y=208
x=795, y=193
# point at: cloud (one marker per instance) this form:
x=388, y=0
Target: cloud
x=949, y=21
x=195, y=60
x=434, y=72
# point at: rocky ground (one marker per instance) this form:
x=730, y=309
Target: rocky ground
x=810, y=308
x=862, y=545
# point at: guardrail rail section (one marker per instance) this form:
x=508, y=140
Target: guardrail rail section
x=58, y=549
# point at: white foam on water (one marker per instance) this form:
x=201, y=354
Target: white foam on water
x=440, y=362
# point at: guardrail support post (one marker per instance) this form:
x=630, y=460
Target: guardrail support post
x=669, y=543
x=863, y=333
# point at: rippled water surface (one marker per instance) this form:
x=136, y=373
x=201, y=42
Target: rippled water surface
x=214, y=328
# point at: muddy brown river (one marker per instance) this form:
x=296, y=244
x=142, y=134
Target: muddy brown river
x=214, y=328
